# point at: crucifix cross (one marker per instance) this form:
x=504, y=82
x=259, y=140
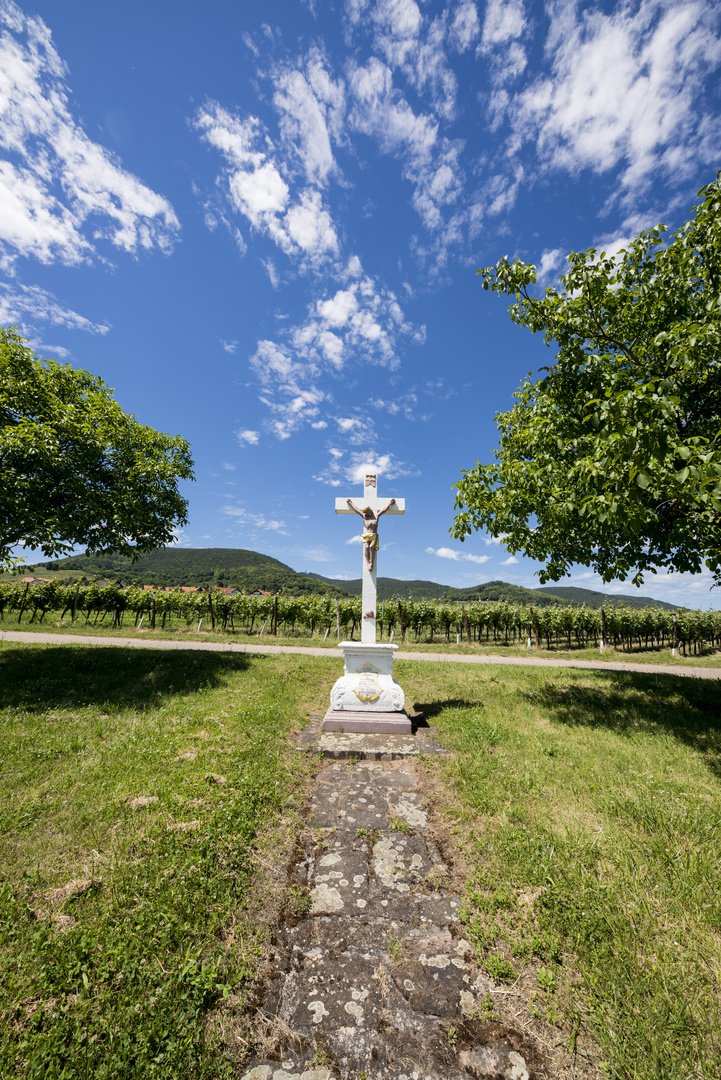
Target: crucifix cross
x=370, y=508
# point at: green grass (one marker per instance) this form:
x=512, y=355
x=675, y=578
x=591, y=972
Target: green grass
x=438, y=644
x=589, y=804
x=116, y=974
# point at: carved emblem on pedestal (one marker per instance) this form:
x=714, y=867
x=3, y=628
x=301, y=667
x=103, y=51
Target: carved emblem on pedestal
x=368, y=687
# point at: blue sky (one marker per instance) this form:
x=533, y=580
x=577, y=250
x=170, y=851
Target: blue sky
x=261, y=224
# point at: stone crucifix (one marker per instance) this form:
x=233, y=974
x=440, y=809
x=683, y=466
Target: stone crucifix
x=370, y=508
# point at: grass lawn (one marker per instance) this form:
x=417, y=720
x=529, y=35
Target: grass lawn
x=438, y=644
x=140, y=795
x=588, y=810
x=144, y=795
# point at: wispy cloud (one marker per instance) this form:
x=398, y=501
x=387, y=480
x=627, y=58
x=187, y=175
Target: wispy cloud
x=624, y=90
x=60, y=192
x=27, y=305
x=318, y=554
x=298, y=372
x=457, y=556
x=257, y=185
x=248, y=437
x=245, y=517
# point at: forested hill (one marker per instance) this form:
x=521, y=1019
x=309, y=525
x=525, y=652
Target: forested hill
x=431, y=590
x=249, y=570
x=568, y=594
x=497, y=590
x=236, y=567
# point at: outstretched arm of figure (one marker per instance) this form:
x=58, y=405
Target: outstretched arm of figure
x=386, y=508
x=354, y=507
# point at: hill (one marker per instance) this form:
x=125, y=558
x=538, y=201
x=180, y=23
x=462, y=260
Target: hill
x=431, y=590
x=234, y=567
x=249, y=570
x=569, y=594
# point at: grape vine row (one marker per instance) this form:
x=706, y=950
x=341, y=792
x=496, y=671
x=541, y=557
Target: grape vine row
x=483, y=622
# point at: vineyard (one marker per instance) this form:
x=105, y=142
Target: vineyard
x=486, y=622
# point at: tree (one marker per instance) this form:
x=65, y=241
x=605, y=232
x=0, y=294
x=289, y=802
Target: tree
x=613, y=458
x=76, y=469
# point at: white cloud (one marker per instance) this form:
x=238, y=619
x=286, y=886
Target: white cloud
x=311, y=107
x=229, y=346
x=510, y=561
x=24, y=305
x=361, y=319
x=361, y=462
x=320, y=554
x=464, y=28
x=457, y=556
x=245, y=517
x=273, y=275
x=623, y=90
x=347, y=423
x=63, y=192
x=505, y=20
x=550, y=264
x=337, y=310
x=247, y=437
x=257, y=188
x=229, y=467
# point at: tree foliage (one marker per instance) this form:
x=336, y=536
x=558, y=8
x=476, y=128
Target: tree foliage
x=613, y=458
x=76, y=469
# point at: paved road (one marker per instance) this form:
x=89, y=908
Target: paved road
x=439, y=658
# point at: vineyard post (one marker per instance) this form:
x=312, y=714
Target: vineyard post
x=675, y=635
x=337, y=618
x=535, y=629
x=400, y=619
x=152, y=617
x=274, y=628
x=465, y=623
x=22, y=606
x=75, y=601
x=604, y=631
x=210, y=605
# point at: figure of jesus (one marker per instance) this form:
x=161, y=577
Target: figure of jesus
x=370, y=520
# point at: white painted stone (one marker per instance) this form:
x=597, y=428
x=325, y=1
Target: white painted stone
x=367, y=683
x=369, y=592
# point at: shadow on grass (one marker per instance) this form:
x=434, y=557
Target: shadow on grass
x=36, y=679
x=426, y=710
x=632, y=703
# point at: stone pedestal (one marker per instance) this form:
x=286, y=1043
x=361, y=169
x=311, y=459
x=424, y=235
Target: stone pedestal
x=366, y=697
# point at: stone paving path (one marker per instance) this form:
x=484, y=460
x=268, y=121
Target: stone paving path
x=376, y=981
x=440, y=658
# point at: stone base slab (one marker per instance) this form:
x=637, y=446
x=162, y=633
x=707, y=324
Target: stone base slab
x=380, y=723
